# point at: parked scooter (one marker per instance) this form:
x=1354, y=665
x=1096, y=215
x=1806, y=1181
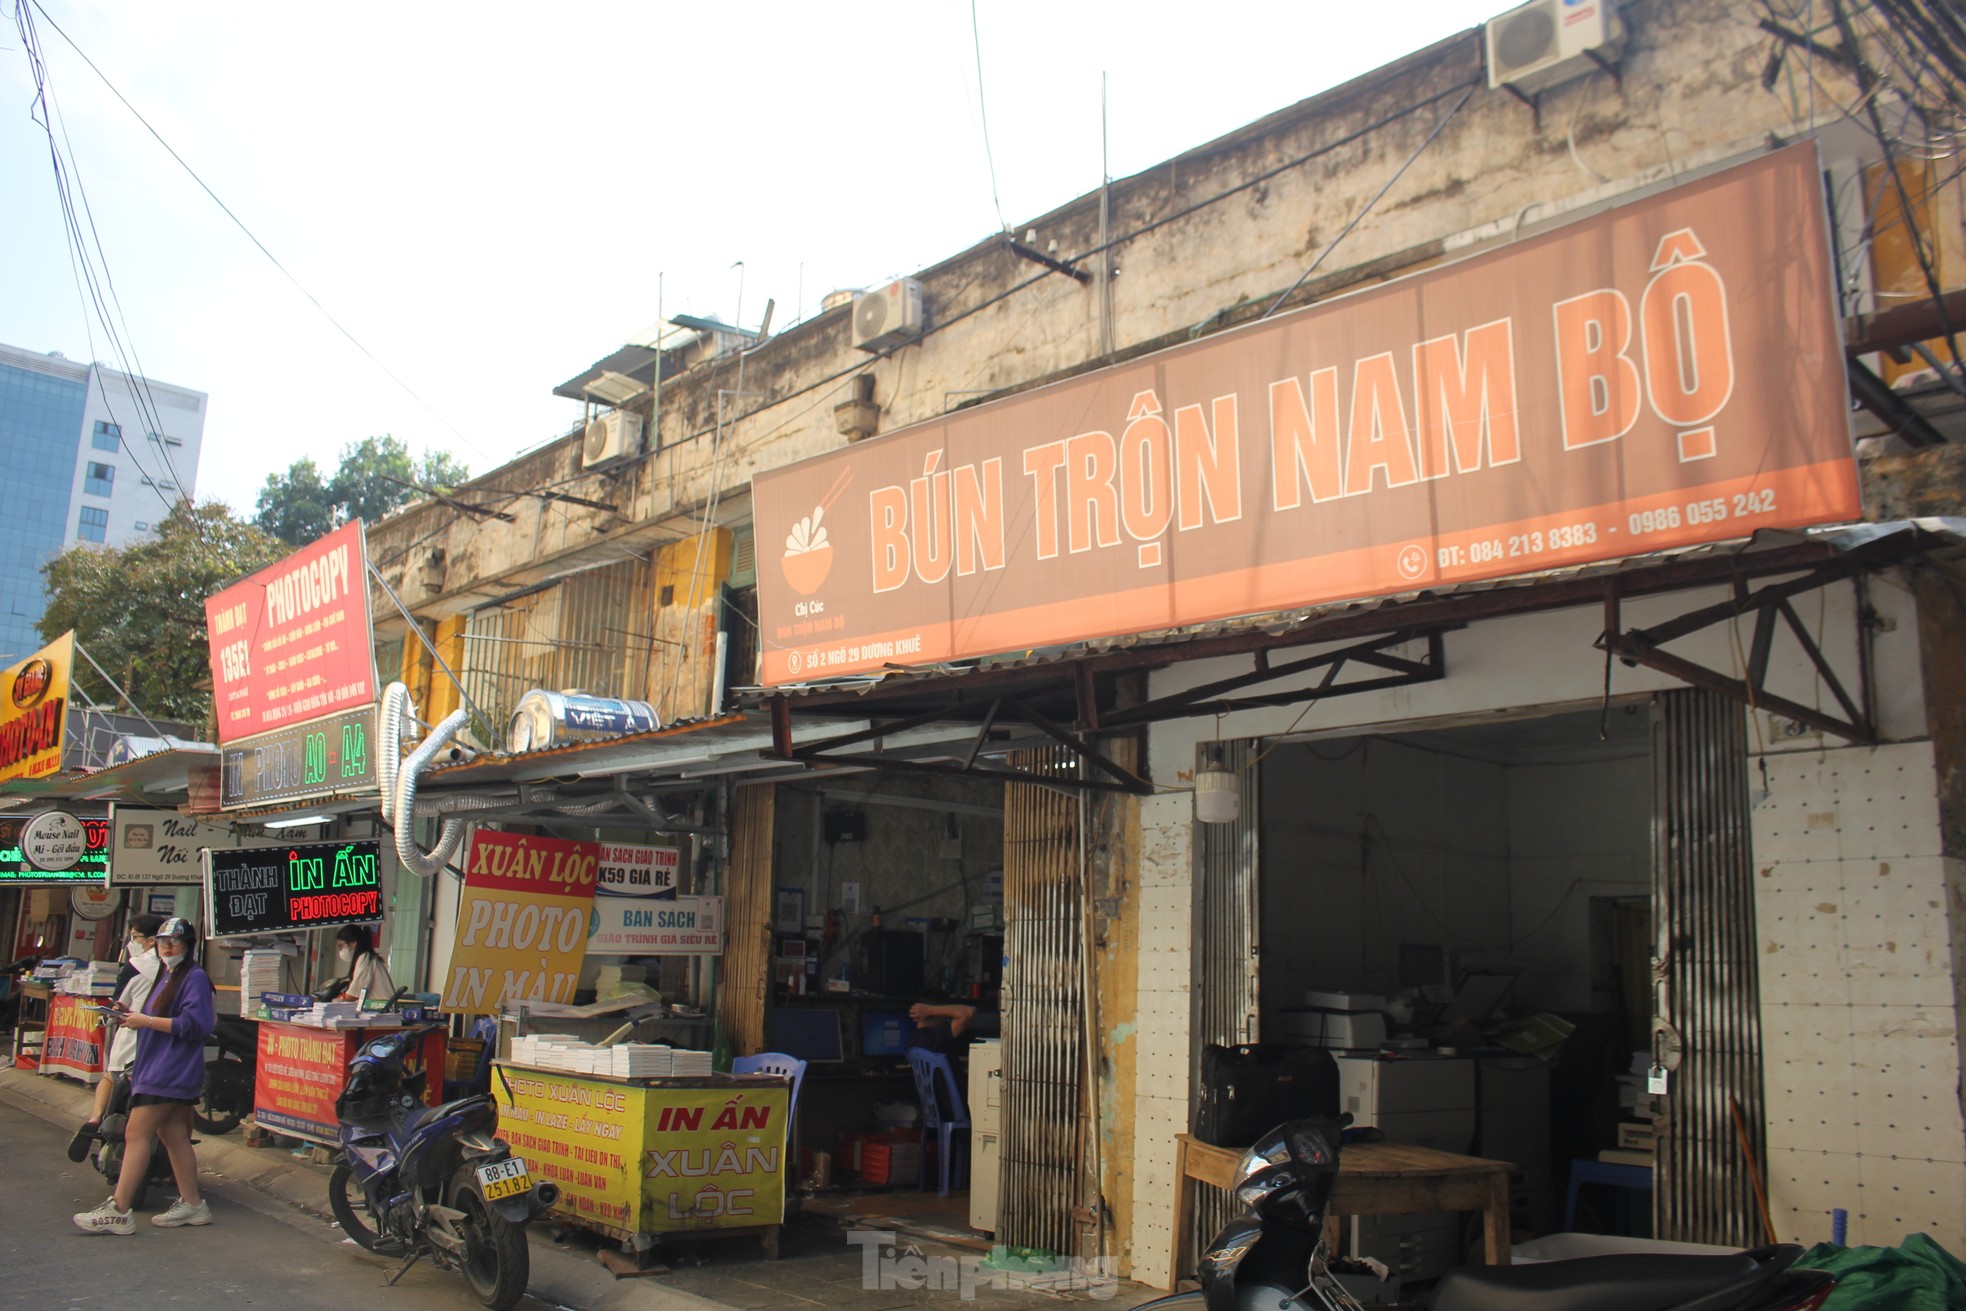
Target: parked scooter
x=415, y=1181
x=1271, y=1257
x=229, y=1076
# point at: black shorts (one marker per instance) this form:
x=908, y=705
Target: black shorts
x=152, y=1099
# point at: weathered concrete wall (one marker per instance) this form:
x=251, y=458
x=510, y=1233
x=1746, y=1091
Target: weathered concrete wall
x=1689, y=95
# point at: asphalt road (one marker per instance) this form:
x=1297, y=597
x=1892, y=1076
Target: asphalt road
x=257, y=1252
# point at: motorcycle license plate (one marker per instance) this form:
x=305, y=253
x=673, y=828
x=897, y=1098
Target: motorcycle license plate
x=505, y=1179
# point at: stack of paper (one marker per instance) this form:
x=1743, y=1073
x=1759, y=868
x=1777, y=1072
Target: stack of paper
x=259, y=974
x=692, y=1064
x=95, y=979
x=635, y=1060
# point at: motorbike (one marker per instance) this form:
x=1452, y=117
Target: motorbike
x=415, y=1181
x=1272, y=1256
x=229, y=1076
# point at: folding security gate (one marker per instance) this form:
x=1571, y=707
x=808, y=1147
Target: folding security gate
x=1044, y=1093
x=1706, y=992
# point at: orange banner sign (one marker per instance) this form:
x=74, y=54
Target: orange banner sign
x=1663, y=374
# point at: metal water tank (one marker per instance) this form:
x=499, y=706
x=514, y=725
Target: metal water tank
x=553, y=719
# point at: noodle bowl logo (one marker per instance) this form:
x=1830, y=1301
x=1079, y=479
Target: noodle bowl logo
x=808, y=554
x=32, y=682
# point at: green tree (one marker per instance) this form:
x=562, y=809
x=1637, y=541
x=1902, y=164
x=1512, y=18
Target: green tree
x=375, y=476
x=295, y=506
x=140, y=609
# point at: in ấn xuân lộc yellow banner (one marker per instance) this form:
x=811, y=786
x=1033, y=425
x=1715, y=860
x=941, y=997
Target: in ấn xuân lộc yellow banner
x=522, y=922
x=663, y=1158
x=33, y=711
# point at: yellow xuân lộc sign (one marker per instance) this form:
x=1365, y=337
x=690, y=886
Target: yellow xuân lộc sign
x=33, y=711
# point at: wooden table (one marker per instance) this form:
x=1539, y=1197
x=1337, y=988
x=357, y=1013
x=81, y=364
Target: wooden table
x=1373, y=1179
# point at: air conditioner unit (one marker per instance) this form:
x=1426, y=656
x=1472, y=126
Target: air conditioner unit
x=1548, y=42
x=613, y=436
x=888, y=316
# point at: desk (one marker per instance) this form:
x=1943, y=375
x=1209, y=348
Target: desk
x=1373, y=1179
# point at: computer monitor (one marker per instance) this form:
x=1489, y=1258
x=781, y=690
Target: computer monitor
x=885, y=1033
x=810, y=1035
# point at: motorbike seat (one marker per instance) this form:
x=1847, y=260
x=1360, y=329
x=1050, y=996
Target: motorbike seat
x=1600, y=1283
x=423, y=1114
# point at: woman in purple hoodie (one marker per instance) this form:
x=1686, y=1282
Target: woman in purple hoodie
x=165, y=1083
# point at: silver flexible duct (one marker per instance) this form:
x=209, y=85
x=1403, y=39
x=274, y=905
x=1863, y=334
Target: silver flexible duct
x=389, y=741
x=412, y=857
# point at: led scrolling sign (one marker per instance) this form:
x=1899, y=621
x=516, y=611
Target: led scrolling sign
x=309, y=760
x=283, y=889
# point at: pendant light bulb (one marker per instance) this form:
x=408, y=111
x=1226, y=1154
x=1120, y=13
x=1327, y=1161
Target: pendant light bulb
x=1218, y=793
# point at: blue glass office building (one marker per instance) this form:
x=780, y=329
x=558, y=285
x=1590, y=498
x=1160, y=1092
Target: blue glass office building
x=40, y=434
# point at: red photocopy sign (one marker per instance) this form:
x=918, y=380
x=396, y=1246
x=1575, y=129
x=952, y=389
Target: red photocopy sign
x=1659, y=375
x=292, y=642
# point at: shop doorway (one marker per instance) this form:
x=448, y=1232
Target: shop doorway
x=1463, y=881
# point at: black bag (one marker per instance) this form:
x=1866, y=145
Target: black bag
x=1248, y=1090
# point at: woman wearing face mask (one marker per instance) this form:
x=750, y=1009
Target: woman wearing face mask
x=133, y=984
x=165, y=1081
x=367, y=975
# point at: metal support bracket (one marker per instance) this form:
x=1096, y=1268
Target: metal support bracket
x=1104, y=773
x=1036, y=256
x=1876, y=396
x=1376, y=652
x=1770, y=606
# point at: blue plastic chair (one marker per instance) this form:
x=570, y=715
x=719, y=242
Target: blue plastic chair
x=789, y=1067
x=943, y=1113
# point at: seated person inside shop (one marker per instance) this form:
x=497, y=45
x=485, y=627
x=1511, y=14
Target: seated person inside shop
x=949, y=1027
x=368, y=976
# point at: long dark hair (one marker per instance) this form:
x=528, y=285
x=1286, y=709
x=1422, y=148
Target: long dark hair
x=361, y=936
x=160, y=1001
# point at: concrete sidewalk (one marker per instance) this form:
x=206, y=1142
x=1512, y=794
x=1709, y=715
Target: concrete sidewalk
x=821, y=1265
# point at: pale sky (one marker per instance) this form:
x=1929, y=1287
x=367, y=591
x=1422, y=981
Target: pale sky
x=486, y=194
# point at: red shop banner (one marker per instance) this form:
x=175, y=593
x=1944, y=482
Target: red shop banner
x=292, y=643
x=1666, y=373
x=301, y=1070
x=75, y=1035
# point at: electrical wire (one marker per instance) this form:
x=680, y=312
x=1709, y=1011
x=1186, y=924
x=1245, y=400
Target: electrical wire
x=1359, y=217
x=983, y=113
x=241, y=225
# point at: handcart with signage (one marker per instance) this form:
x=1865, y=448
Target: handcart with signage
x=640, y=1156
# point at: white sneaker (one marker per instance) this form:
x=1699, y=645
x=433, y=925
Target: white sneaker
x=183, y=1213
x=105, y=1219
